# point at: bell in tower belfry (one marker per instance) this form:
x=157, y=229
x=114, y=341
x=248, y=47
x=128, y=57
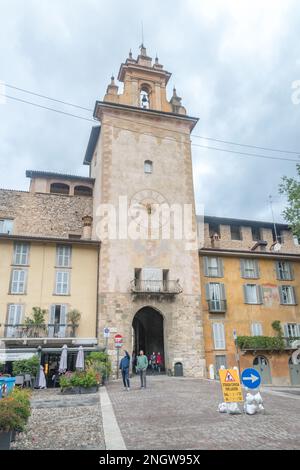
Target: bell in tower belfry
x=144, y=85
x=140, y=156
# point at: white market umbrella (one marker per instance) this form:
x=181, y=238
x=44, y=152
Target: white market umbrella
x=63, y=360
x=80, y=359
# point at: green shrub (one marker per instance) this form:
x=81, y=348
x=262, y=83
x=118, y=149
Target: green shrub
x=26, y=366
x=83, y=379
x=260, y=342
x=14, y=412
x=100, y=362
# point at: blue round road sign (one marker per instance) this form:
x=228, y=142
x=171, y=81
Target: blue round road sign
x=251, y=378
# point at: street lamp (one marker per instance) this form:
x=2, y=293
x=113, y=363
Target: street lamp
x=37, y=379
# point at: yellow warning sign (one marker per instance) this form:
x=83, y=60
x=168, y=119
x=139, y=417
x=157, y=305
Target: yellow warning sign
x=231, y=385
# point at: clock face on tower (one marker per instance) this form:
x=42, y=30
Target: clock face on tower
x=149, y=208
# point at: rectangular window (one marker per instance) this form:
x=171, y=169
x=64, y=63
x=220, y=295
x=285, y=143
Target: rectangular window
x=6, y=226
x=255, y=234
x=252, y=294
x=236, y=233
x=14, y=318
x=21, y=254
x=287, y=295
x=249, y=268
x=216, y=296
x=214, y=231
x=18, y=281
x=219, y=335
x=63, y=256
x=291, y=330
x=62, y=282
x=284, y=271
x=152, y=279
x=296, y=240
x=57, y=321
x=256, y=329
x=213, y=266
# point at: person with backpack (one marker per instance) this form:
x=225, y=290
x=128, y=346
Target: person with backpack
x=124, y=366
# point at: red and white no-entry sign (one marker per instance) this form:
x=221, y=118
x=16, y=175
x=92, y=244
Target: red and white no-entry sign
x=118, y=341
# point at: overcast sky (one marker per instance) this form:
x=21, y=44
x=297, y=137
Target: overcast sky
x=233, y=64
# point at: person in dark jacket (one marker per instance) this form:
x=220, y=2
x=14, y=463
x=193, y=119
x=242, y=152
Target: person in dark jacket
x=124, y=366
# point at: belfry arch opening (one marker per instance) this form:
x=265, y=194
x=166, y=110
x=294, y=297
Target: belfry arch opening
x=148, y=332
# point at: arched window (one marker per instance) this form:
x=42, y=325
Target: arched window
x=59, y=188
x=145, y=97
x=148, y=166
x=83, y=191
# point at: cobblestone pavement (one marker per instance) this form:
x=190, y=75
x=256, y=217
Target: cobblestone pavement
x=62, y=422
x=181, y=413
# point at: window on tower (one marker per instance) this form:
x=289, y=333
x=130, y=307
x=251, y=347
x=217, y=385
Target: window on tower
x=148, y=166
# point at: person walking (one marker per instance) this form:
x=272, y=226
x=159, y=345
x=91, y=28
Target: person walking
x=153, y=362
x=158, y=362
x=142, y=364
x=124, y=366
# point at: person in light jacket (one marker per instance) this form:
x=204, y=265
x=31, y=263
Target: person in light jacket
x=124, y=366
x=142, y=364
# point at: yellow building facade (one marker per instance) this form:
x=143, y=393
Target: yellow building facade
x=243, y=292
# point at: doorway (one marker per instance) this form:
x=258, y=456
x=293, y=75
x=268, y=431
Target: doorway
x=261, y=364
x=294, y=372
x=148, y=332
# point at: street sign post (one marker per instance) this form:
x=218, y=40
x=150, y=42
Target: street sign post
x=231, y=386
x=118, y=345
x=251, y=378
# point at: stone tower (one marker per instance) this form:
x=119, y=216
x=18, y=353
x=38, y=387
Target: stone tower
x=140, y=158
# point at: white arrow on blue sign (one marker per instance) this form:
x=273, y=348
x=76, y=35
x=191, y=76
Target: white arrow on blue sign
x=251, y=378
x=106, y=332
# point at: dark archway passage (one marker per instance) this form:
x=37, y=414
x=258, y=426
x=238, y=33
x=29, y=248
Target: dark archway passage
x=148, y=332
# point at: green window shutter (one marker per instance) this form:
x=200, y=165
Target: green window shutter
x=220, y=267
x=285, y=330
x=256, y=265
x=245, y=294
x=259, y=295
x=280, y=295
x=291, y=271
x=222, y=291
x=294, y=295
x=277, y=270
x=205, y=265
x=207, y=291
x=242, y=264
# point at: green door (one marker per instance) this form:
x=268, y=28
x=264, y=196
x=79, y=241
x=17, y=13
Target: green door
x=261, y=364
x=294, y=372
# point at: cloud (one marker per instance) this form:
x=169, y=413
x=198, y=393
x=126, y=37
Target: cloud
x=233, y=63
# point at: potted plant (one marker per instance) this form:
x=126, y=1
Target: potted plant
x=73, y=319
x=100, y=362
x=36, y=325
x=11, y=419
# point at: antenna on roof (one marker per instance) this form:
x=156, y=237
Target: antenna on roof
x=142, y=33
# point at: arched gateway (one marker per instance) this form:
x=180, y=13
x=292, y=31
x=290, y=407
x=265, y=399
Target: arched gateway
x=148, y=331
